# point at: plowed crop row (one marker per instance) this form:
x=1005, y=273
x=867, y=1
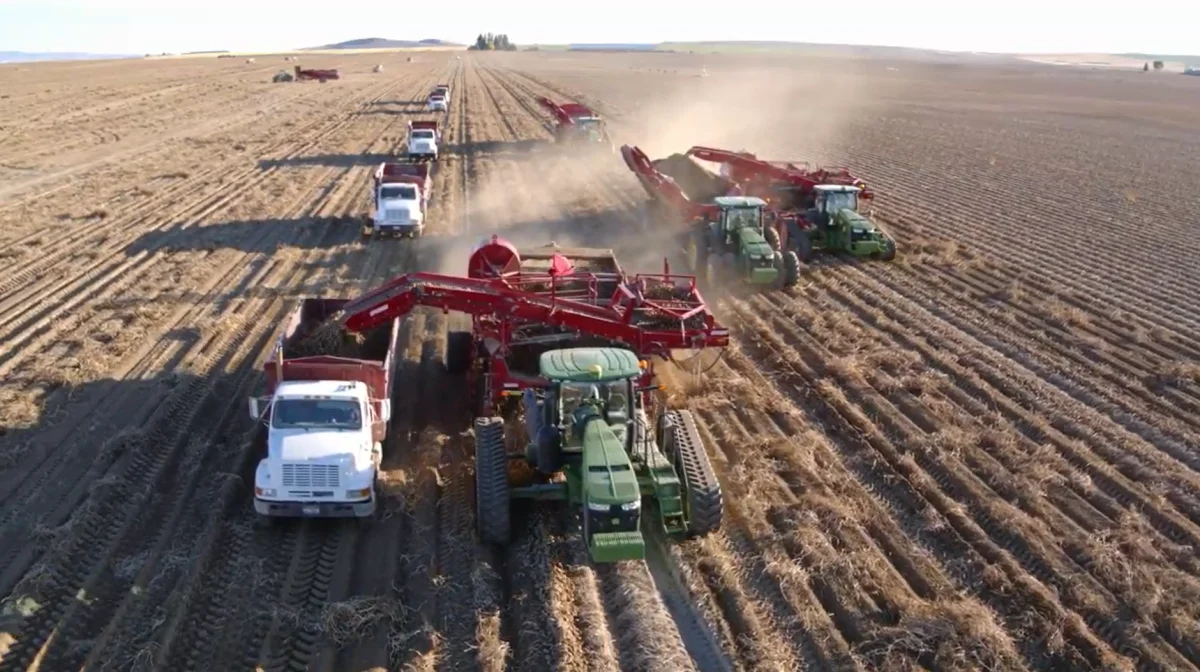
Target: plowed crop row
x=981, y=456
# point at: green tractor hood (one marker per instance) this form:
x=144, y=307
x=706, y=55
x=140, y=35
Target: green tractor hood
x=608, y=480
x=863, y=237
x=758, y=256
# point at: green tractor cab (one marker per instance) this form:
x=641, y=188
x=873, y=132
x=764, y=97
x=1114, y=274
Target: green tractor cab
x=835, y=225
x=746, y=248
x=590, y=443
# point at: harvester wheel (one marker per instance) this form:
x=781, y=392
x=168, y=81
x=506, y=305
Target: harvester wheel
x=791, y=269
x=703, y=503
x=699, y=254
x=459, y=345
x=772, y=237
x=492, y=512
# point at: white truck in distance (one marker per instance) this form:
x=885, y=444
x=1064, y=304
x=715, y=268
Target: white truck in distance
x=325, y=419
x=437, y=104
x=423, y=137
x=400, y=197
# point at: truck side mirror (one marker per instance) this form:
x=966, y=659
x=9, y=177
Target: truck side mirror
x=253, y=408
x=385, y=410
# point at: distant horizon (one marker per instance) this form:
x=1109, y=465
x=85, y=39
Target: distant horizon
x=7, y=56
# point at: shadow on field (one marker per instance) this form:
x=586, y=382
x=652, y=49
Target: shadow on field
x=498, y=147
x=253, y=235
x=332, y=160
x=197, y=427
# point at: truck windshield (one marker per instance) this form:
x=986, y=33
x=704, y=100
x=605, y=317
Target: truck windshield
x=423, y=135
x=396, y=191
x=316, y=414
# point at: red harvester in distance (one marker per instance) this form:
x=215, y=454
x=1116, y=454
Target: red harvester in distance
x=526, y=303
x=575, y=122
x=319, y=75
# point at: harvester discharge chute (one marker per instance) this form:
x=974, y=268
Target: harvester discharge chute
x=815, y=208
x=723, y=231
x=556, y=362
x=578, y=124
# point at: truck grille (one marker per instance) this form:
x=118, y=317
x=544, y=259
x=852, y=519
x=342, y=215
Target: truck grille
x=310, y=476
x=396, y=215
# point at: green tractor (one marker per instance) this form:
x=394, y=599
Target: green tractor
x=833, y=223
x=731, y=240
x=588, y=440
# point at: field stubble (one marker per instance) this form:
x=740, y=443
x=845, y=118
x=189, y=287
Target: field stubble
x=980, y=456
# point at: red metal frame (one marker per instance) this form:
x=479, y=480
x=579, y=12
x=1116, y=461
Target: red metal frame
x=611, y=306
x=750, y=171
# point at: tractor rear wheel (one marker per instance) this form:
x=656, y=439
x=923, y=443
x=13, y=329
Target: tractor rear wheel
x=492, y=506
x=791, y=269
x=703, y=503
x=699, y=245
x=458, y=352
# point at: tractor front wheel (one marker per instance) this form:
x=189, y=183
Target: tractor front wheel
x=492, y=497
x=889, y=250
x=791, y=269
x=772, y=236
x=703, y=502
x=802, y=246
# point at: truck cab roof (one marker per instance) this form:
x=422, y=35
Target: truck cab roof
x=588, y=364
x=320, y=388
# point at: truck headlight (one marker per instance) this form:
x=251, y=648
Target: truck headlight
x=264, y=492
x=600, y=508
x=632, y=506
x=361, y=493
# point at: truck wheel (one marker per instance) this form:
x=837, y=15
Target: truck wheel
x=492, y=513
x=791, y=269
x=459, y=346
x=772, y=237
x=702, y=501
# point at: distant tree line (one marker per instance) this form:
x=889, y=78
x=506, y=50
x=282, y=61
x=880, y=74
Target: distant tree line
x=491, y=42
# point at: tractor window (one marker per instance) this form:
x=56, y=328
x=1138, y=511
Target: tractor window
x=612, y=396
x=738, y=218
x=841, y=200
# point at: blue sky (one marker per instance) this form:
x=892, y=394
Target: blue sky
x=152, y=26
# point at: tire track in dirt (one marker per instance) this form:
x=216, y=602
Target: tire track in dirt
x=34, y=483
x=237, y=396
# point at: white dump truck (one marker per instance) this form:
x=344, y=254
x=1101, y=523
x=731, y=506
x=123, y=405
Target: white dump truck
x=423, y=137
x=400, y=199
x=325, y=416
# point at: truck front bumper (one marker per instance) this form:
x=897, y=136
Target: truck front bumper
x=404, y=230
x=362, y=509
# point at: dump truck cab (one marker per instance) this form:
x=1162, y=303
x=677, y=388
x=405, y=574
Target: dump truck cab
x=590, y=404
x=322, y=458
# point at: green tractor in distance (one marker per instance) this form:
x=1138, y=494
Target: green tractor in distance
x=733, y=230
x=590, y=443
x=832, y=223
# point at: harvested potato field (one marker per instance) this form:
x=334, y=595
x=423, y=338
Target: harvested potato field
x=979, y=456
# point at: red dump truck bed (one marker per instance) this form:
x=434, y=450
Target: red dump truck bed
x=423, y=125
x=411, y=173
x=370, y=362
